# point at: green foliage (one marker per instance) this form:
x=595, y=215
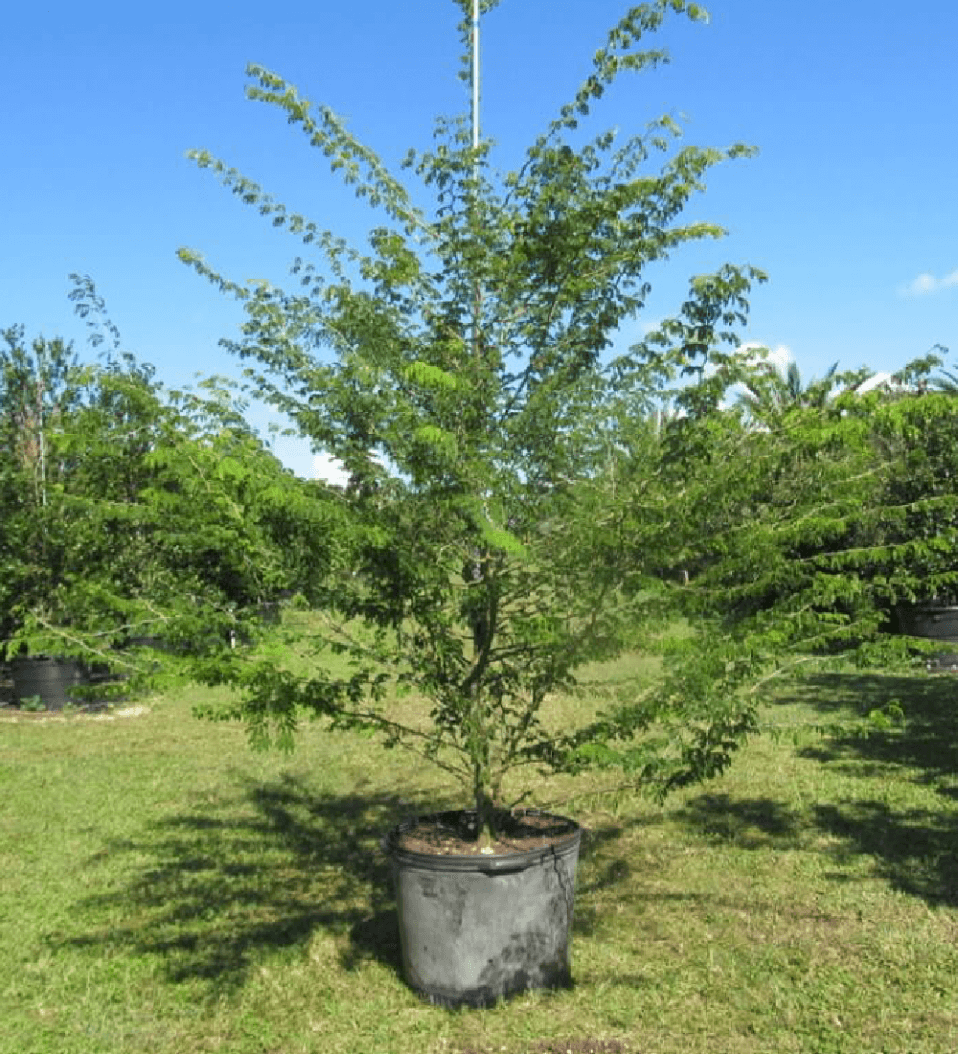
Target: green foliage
x=37, y=391
x=788, y=541
x=771, y=392
x=459, y=369
x=161, y=518
x=803, y=535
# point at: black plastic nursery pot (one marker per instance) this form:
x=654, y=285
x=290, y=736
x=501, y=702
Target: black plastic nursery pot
x=937, y=622
x=51, y=680
x=476, y=928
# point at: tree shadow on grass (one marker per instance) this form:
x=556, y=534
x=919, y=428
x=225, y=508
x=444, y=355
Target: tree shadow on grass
x=915, y=850
x=603, y=868
x=914, y=844
x=898, y=802
x=927, y=740
x=260, y=871
x=748, y=823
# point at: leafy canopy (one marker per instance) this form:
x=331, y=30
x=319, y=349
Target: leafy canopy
x=131, y=512
x=460, y=366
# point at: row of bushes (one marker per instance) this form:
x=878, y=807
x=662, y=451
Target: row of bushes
x=131, y=512
x=812, y=525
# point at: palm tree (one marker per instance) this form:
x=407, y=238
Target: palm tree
x=945, y=381
x=772, y=391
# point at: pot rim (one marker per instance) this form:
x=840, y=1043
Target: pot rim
x=48, y=660
x=564, y=845
x=925, y=605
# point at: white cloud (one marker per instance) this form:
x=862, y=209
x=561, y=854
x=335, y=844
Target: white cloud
x=927, y=283
x=330, y=470
x=778, y=357
x=755, y=353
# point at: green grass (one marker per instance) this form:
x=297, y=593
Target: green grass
x=163, y=889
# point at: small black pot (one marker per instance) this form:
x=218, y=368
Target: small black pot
x=933, y=621
x=475, y=929
x=937, y=622
x=52, y=680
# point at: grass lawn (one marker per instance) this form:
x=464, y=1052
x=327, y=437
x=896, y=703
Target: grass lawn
x=162, y=889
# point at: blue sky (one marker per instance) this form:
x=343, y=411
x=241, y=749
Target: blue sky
x=850, y=206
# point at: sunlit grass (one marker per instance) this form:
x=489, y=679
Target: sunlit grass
x=164, y=889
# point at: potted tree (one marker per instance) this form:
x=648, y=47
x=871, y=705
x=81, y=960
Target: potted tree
x=137, y=518
x=36, y=392
x=816, y=534
x=920, y=435
x=464, y=383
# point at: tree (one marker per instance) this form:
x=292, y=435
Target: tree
x=773, y=390
x=36, y=392
x=916, y=432
x=153, y=514
x=459, y=369
x=944, y=380
x=802, y=537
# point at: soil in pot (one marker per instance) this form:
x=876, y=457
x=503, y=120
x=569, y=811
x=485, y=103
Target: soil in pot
x=478, y=924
